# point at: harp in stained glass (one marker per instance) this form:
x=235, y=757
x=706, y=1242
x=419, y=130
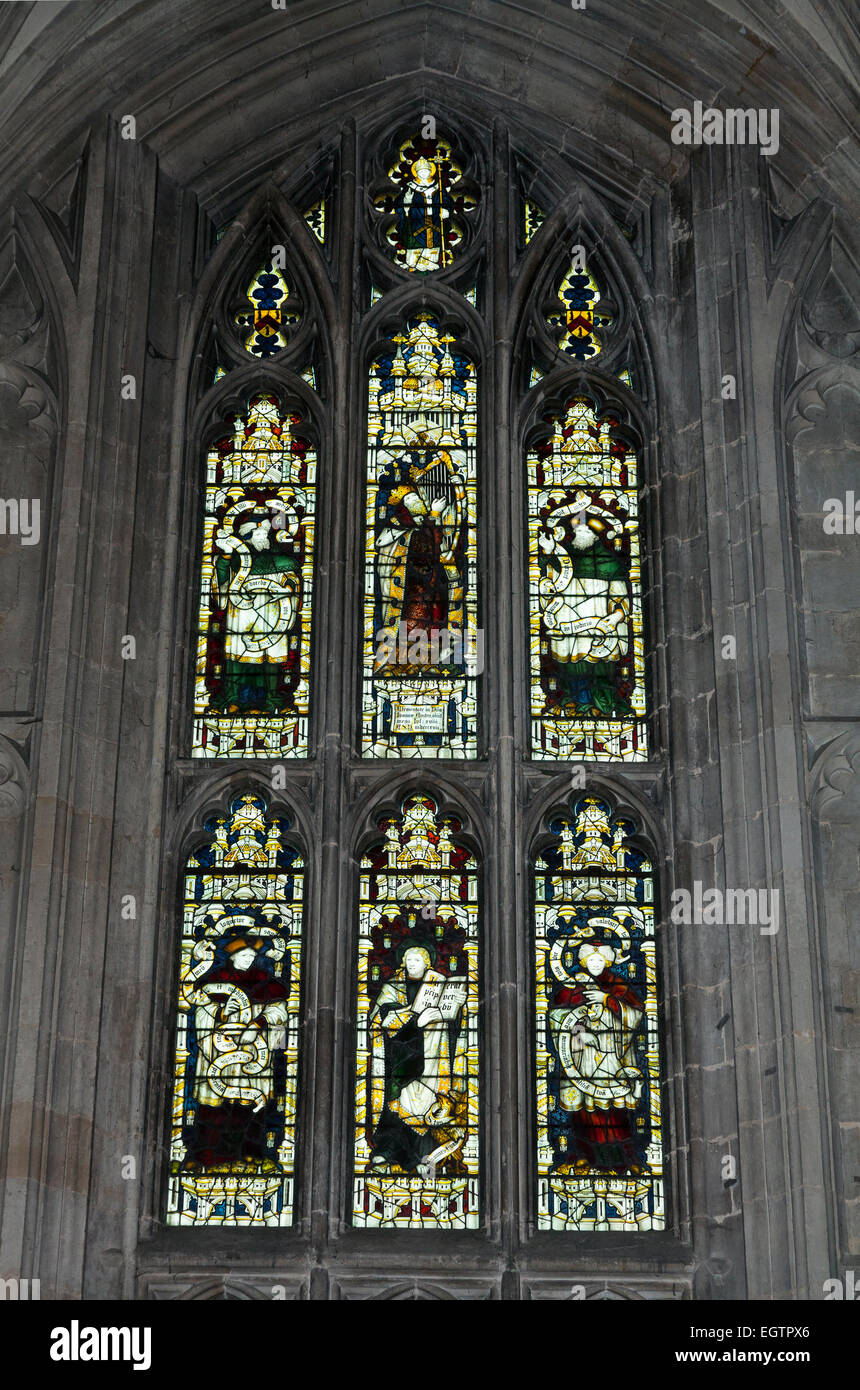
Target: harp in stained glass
x=585, y=592
x=416, y=1141
x=251, y=697
x=232, y=1141
x=426, y=210
x=422, y=648
x=600, y=1165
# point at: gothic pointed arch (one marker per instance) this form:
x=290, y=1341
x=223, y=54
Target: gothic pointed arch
x=583, y=378
x=264, y=294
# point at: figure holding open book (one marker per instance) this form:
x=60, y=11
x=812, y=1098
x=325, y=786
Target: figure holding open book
x=418, y=1068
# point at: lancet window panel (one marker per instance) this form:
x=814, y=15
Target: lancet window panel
x=586, y=632
x=599, y=1149
x=417, y=1075
x=232, y=1135
x=421, y=640
x=253, y=664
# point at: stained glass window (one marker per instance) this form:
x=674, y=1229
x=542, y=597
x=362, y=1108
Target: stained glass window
x=422, y=648
x=598, y=1058
x=416, y=1143
x=576, y=322
x=533, y=218
x=254, y=620
x=426, y=212
x=585, y=599
x=273, y=312
x=315, y=218
x=232, y=1138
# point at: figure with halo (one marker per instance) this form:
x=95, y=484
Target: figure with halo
x=593, y=1019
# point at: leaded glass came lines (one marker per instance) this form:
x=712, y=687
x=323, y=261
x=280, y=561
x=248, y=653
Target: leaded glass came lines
x=599, y=1151
x=421, y=643
x=416, y=1138
x=576, y=323
x=252, y=691
x=232, y=1143
x=427, y=209
x=585, y=592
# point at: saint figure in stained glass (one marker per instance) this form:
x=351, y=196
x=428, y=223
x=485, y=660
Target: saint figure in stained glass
x=251, y=696
x=587, y=646
x=232, y=1141
x=416, y=1144
x=427, y=205
x=421, y=640
x=418, y=1060
x=592, y=1022
x=598, y=1062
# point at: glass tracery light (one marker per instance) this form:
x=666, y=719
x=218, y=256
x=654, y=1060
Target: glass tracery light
x=416, y=1139
x=252, y=682
x=422, y=647
x=273, y=312
x=533, y=218
x=232, y=1141
x=426, y=211
x=585, y=591
x=599, y=1150
x=316, y=220
x=580, y=317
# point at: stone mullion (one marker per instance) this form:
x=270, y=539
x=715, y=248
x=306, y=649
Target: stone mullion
x=330, y=1062
x=502, y=916
x=680, y=668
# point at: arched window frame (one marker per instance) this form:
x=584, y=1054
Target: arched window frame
x=349, y=333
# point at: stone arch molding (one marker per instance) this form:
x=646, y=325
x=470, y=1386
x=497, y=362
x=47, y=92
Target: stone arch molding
x=414, y=1293
x=582, y=216
x=212, y=797
x=266, y=219
x=452, y=798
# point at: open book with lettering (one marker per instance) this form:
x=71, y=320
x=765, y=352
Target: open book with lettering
x=441, y=992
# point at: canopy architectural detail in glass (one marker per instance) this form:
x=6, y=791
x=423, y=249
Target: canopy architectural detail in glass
x=422, y=648
x=252, y=692
x=232, y=1138
x=416, y=1139
x=599, y=1149
x=585, y=592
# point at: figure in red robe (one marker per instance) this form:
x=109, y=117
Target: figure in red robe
x=592, y=1026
